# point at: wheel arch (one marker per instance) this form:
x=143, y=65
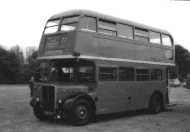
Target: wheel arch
x=158, y=93
x=70, y=101
x=88, y=98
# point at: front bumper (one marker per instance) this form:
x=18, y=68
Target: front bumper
x=61, y=111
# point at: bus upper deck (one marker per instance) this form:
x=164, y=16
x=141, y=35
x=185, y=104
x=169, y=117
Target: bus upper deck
x=87, y=34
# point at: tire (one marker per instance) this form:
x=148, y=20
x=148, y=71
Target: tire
x=39, y=114
x=156, y=104
x=82, y=112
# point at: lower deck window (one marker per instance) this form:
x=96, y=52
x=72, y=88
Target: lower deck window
x=156, y=74
x=107, y=74
x=142, y=75
x=86, y=74
x=126, y=74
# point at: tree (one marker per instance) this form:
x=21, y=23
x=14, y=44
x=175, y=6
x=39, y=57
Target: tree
x=30, y=67
x=9, y=67
x=18, y=53
x=29, y=53
x=182, y=57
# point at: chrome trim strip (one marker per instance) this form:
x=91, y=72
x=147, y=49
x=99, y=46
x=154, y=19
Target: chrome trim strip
x=104, y=58
x=55, y=57
x=87, y=30
x=125, y=60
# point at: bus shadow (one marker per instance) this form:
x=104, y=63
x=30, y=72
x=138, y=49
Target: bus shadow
x=128, y=114
x=107, y=117
x=115, y=116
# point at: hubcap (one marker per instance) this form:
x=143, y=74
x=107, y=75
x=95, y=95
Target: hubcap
x=81, y=111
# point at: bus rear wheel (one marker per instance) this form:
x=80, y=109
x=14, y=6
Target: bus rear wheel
x=81, y=112
x=156, y=104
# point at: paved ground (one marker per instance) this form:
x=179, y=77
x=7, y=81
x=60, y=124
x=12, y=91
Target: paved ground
x=16, y=116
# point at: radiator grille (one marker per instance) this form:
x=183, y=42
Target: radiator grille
x=48, y=96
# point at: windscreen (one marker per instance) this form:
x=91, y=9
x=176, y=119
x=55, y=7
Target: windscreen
x=52, y=26
x=66, y=24
x=69, y=23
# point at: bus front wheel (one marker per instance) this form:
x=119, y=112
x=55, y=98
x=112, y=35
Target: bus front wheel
x=39, y=113
x=155, y=105
x=81, y=112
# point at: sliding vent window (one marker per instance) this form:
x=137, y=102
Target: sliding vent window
x=166, y=40
x=141, y=35
x=155, y=37
x=107, y=27
x=52, y=26
x=125, y=31
x=88, y=24
x=126, y=74
x=69, y=23
x=107, y=74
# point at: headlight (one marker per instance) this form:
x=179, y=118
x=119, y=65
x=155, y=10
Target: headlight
x=59, y=101
x=37, y=99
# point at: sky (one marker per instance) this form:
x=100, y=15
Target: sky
x=22, y=21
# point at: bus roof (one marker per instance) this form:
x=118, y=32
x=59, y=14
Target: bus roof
x=107, y=17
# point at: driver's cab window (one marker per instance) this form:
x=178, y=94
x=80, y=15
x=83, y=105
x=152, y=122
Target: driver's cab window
x=67, y=74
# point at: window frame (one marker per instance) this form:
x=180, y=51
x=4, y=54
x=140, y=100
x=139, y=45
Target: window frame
x=128, y=25
x=141, y=36
x=58, y=26
x=92, y=74
x=126, y=79
x=137, y=74
x=160, y=34
x=62, y=19
x=114, y=30
x=114, y=73
x=85, y=29
x=155, y=70
x=171, y=39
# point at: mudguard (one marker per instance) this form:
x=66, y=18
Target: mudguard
x=68, y=104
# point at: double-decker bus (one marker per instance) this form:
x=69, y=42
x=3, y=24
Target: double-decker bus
x=93, y=64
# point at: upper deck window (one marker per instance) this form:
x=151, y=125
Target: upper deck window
x=155, y=37
x=125, y=31
x=69, y=23
x=52, y=26
x=107, y=27
x=141, y=34
x=166, y=40
x=88, y=23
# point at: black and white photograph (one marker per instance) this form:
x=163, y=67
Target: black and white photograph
x=95, y=66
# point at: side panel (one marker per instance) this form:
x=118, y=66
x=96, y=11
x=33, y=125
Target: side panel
x=96, y=44
x=61, y=43
x=144, y=90
x=118, y=96
x=111, y=98
x=129, y=92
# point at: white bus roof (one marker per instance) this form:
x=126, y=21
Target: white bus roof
x=107, y=17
